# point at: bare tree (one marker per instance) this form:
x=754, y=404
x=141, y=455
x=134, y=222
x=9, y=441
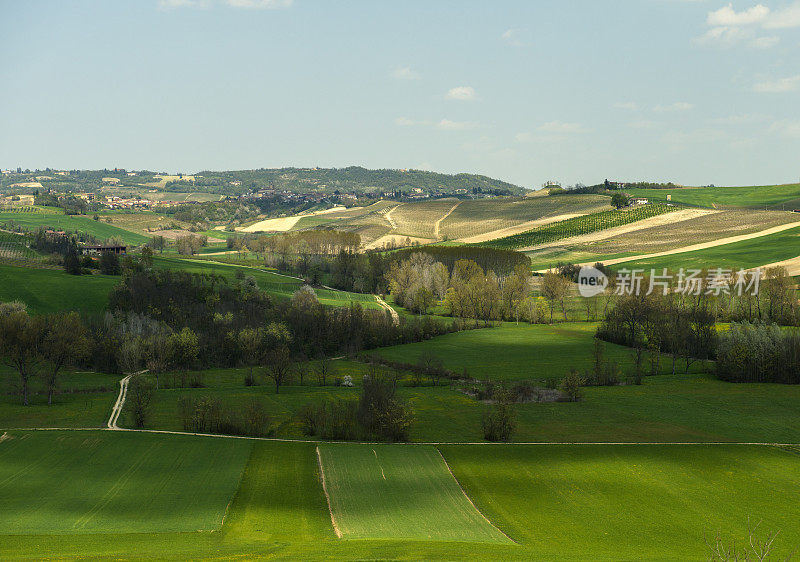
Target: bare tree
x=66, y=341
x=279, y=367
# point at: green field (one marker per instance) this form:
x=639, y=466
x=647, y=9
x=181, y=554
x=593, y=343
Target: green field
x=578, y=226
x=758, y=196
x=124, y=483
x=556, y=502
x=513, y=351
x=51, y=290
x=70, y=223
x=399, y=492
x=749, y=253
x=632, y=502
x=280, y=286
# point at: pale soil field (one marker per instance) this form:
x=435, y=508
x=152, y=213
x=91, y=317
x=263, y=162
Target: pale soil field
x=473, y=218
x=284, y=224
x=792, y=265
x=175, y=234
x=704, y=228
x=419, y=218
x=503, y=232
x=612, y=233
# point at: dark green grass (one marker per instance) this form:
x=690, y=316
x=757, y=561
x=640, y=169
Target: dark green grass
x=83, y=399
x=385, y=491
x=632, y=502
x=665, y=408
x=759, y=196
x=749, y=253
x=52, y=290
x=280, y=286
x=80, y=223
x=514, y=351
x=93, y=482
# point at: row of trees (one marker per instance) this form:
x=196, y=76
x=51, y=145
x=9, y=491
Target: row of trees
x=41, y=346
x=758, y=353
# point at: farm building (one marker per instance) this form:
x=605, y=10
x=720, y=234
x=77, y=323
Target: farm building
x=103, y=249
x=638, y=201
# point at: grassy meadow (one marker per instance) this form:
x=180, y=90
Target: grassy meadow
x=72, y=223
x=756, y=196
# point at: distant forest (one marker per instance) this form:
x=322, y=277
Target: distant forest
x=330, y=181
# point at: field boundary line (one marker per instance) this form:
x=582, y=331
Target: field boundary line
x=413, y=443
x=327, y=496
x=439, y=222
x=475, y=507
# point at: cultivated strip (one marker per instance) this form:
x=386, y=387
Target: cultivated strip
x=327, y=497
x=470, y=499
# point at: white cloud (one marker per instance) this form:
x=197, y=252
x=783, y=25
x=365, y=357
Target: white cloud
x=511, y=36
x=727, y=16
x=404, y=73
x=630, y=105
x=643, y=124
x=779, y=86
x=742, y=119
x=786, y=18
x=448, y=125
x=259, y=3
x=173, y=4
x=765, y=42
x=677, y=106
x=523, y=137
x=786, y=128
x=727, y=27
x=463, y=93
x=443, y=124
x=562, y=128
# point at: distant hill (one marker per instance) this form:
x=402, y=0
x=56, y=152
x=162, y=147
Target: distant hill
x=352, y=180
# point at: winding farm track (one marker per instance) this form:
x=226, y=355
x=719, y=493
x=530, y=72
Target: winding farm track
x=388, y=217
x=120, y=403
x=385, y=306
x=439, y=222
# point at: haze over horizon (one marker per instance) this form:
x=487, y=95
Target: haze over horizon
x=695, y=92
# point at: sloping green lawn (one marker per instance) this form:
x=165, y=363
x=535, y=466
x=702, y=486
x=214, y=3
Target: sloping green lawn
x=72, y=223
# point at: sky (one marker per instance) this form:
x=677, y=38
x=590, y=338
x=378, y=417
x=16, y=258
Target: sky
x=696, y=92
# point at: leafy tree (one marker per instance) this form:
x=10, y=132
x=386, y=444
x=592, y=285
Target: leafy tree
x=619, y=200
x=72, y=264
x=66, y=341
x=499, y=423
x=279, y=367
x=138, y=399
x=109, y=264
x=571, y=386
x=20, y=343
x=555, y=289
x=184, y=351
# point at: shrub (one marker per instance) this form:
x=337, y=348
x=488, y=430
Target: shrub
x=571, y=386
x=500, y=422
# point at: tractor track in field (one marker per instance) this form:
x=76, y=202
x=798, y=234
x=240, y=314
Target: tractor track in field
x=439, y=222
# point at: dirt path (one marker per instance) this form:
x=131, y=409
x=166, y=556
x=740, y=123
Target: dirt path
x=283, y=224
x=439, y=222
x=388, y=216
x=659, y=220
x=705, y=245
x=517, y=228
x=385, y=306
x=120, y=403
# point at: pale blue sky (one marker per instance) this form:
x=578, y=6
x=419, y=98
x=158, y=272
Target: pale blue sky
x=691, y=91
